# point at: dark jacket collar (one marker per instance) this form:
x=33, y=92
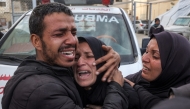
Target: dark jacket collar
x=32, y=67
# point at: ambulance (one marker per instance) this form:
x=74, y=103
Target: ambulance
x=107, y=23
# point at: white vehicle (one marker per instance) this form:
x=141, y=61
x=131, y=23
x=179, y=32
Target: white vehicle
x=109, y=24
x=140, y=25
x=181, y=26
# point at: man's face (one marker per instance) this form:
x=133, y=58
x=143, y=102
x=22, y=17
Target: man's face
x=58, y=40
x=84, y=71
x=157, y=22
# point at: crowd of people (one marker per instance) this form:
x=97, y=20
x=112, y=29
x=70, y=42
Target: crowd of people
x=70, y=73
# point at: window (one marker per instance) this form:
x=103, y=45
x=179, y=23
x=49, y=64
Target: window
x=182, y=22
x=118, y=0
x=103, y=26
x=3, y=4
x=100, y=25
x=137, y=22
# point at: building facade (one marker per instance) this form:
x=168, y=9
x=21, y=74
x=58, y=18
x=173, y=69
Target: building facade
x=142, y=7
x=10, y=10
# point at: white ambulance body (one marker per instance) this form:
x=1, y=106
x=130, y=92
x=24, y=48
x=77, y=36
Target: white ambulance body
x=110, y=24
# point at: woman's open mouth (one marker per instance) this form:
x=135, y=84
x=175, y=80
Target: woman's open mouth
x=83, y=74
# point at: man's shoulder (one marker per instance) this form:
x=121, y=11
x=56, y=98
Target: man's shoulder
x=33, y=78
x=37, y=83
x=39, y=88
x=40, y=79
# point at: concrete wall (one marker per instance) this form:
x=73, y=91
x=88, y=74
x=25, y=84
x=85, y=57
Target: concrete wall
x=142, y=9
x=124, y=6
x=160, y=8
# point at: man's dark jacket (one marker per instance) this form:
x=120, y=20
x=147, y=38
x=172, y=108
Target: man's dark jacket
x=37, y=85
x=182, y=91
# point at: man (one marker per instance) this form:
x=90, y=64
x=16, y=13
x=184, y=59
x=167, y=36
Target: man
x=175, y=103
x=182, y=91
x=47, y=81
x=156, y=28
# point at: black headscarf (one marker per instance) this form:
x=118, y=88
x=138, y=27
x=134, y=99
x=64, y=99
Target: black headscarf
x=97, y=92
x=175, y=62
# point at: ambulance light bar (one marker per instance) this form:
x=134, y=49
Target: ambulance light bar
x=88, y=2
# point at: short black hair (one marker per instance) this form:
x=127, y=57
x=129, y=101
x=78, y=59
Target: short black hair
x=157, y=19
x=36, y=24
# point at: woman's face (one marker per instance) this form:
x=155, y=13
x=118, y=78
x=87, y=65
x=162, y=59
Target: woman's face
x=151, y=61
x=84, y=71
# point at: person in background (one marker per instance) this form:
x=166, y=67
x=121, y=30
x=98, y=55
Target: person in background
x=165, y=65
x=46, y=82
x=156, y=28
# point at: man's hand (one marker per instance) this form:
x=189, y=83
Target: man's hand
x=171, y=95
x=118, y=77
x=93, y=107
x=112, y=60
x=130, y=82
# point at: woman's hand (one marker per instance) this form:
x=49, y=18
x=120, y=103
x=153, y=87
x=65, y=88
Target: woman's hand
x=93, y=107
x=130, y=82
x=118, y=77
x=112, y=59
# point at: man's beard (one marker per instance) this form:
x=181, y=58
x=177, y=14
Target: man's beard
x=50, y=57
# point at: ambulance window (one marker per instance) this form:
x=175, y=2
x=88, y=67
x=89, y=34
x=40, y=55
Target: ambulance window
x=18, y=42
x=110, y=28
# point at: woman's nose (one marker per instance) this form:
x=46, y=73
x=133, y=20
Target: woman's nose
x=146, y=57
x=81, y=61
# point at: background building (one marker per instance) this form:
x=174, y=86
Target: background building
x=142, y=7
x=11, y=10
